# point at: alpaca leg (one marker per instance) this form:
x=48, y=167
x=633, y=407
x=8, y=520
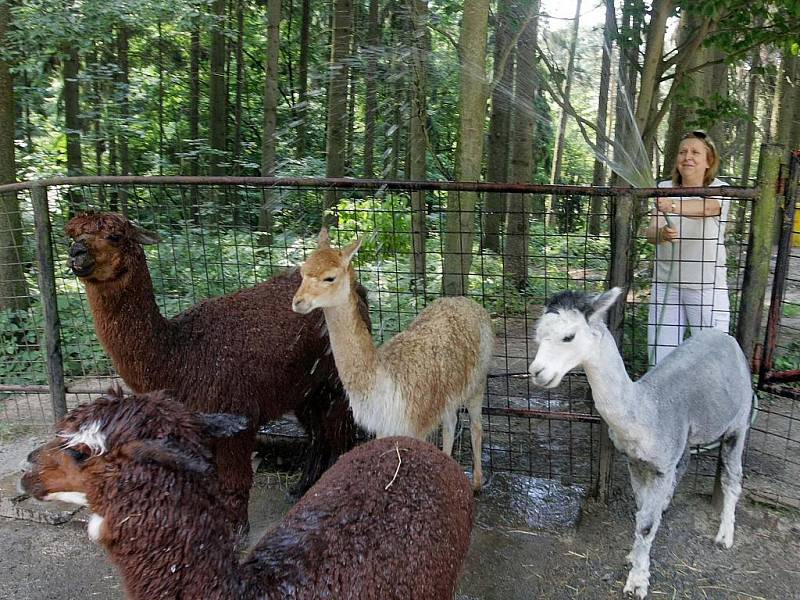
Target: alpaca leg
x=731, y=481
x=232, y=457
x=327, y=420
x=654, y=495
x=475, y=409
x=449, y=430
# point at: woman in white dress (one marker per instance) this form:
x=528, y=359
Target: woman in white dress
x=690, y=285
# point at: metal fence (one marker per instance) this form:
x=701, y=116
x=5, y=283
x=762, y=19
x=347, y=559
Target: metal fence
x=215, y=242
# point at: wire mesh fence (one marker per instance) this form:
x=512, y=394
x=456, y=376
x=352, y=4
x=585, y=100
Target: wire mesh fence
x=217, y=239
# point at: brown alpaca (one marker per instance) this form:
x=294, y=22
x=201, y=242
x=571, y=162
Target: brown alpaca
x=420, y=377
x=245, y=353
x=391, y=520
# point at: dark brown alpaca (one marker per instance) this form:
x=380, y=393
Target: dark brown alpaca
x=246, y=353
x=391, y=520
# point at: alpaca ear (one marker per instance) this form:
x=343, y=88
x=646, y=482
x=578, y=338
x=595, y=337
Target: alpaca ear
x=349, y=251
x=602, y=303
x=324, y=239
x=222, y=425
x=164, y=454
x=145, y=237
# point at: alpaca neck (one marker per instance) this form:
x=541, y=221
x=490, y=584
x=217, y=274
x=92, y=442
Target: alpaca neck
x=353, y=350
x=612, y=388
x=127, y=321
x=189, y=554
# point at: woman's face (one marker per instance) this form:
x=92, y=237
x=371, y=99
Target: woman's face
x=692, y=161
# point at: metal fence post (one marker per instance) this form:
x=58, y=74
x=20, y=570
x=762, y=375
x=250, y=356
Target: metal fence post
x=618, y=275
x=759, y=248
x=781, y=271
x=47, y=291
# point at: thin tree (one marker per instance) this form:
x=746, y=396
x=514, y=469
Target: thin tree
x=371, y=88
x=123, y=85
x=72, y=122
x=499, y=125
x=194, y=113
x=460, y=218
x=599, y=172
x=13, y=291
x=302, y=81
x=518, y=211
x=268, y=143
x=336, y=142
x=418, y=140
x=217, y=92
x=558, y=150
x=237, y=102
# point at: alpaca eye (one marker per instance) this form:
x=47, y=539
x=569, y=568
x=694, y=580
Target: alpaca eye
x=568, y=338
x=330, y=279
x=114, y=238
x=77, y=455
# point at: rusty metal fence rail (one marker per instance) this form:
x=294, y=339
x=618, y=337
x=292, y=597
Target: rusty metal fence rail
x=221, y=234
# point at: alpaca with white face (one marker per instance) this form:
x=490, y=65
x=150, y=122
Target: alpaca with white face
x=419, y=378
x=700, y=393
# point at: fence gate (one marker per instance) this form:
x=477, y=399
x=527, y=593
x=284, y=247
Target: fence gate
x=774, y=448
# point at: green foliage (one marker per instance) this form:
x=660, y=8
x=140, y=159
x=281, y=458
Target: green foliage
x=21, y=359
x=386, y=221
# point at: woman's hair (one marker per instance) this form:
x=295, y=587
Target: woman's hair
x=713, y=158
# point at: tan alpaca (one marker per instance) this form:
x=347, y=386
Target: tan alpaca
x=420, y=377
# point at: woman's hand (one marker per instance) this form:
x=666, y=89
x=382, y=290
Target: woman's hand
x=667, y=234
x=668, y=205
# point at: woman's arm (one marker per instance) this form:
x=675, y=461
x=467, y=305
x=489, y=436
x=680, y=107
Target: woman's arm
x=690, y=207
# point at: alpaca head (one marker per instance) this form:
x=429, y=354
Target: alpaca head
x=568, y=333
x=327, y=276
x=99, y=443
x=103, y=244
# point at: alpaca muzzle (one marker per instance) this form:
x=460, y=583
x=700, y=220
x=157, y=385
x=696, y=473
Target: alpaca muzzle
x=80, y=260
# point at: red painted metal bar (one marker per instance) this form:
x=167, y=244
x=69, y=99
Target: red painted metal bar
x=378, y=184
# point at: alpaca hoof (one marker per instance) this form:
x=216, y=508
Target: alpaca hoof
x=724, y=538
x=637, y=585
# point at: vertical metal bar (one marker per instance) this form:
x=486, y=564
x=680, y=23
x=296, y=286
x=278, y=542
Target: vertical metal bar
x=762, y=228
x=781, y=271
x=47, y=291
x=618, y=275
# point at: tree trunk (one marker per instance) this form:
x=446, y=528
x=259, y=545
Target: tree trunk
x=418, y=140
x=785, y=98
x=499, y=125
x=598, y=175
x=194, y=115
x=123, y=82
x=302, y=81
x=749, y=136
x=72, y=122
x=268, y=143
x=371, y=92
x=13, y=291
x=651, y=75
x=217, y=94
x=460, y=218
x=518, y=211
x=237, y=110
x=558, y=151
x=336, y=142
x=352, y=90
x=680, y=112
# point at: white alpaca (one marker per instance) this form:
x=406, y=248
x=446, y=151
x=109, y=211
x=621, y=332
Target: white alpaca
x=420, y=377
x=700, y=393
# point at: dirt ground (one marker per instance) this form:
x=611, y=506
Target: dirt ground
x=533, y=539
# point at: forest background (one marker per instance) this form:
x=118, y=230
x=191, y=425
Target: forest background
x=479, y=90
